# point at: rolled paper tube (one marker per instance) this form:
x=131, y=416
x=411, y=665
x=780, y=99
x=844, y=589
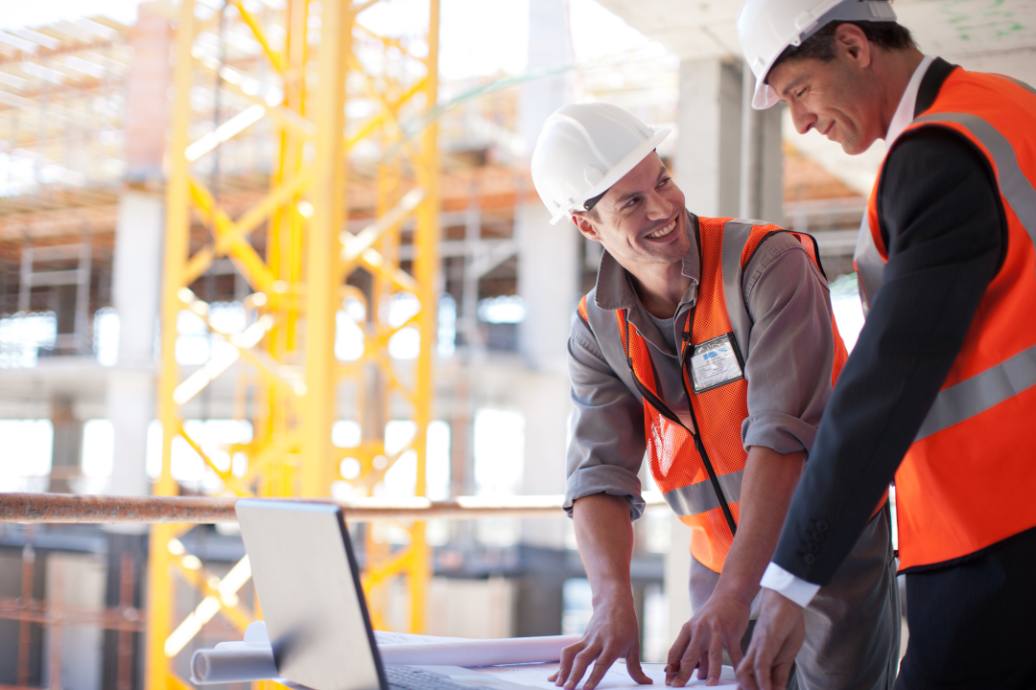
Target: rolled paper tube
x=233, y=662
x=508, y=650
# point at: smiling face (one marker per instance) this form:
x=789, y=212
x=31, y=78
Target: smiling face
x=641, y=221
x=841, y=98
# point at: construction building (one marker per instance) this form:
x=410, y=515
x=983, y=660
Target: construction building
x=291, y=248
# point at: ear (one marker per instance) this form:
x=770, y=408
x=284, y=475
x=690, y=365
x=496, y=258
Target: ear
x=586, y=227
x=851, y=42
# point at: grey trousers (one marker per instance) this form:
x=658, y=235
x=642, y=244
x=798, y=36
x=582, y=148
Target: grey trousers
x=852, y=625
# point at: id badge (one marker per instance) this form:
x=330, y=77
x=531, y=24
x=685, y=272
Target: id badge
x=715, y=363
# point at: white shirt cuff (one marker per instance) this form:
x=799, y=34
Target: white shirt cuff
x=787, y=585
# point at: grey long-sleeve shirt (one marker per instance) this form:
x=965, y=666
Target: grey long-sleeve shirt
x=787, y=366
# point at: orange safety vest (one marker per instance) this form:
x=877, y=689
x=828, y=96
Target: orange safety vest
x=700, y=473
x=969, y=478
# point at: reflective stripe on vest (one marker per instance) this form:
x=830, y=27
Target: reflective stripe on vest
x=977, y=394
x=870, y=267
x=967, y=480
x=735, y=238
x=1015, y=187
x=700, y=497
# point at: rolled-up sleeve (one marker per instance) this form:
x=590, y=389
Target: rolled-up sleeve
x=791, y=347
x=606, y=428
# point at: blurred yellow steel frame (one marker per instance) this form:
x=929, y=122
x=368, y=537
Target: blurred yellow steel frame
x=284, y=354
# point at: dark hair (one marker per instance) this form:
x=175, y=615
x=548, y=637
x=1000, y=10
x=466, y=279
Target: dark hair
x=589, y=204
x=592, y=212
x=821, y=45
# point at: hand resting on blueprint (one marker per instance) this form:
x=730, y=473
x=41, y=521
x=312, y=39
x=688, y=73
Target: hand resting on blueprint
x=612, y=634
x=617, y=677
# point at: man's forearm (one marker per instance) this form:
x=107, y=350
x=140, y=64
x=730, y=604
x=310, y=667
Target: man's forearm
x=604, y=533
x=767, y=488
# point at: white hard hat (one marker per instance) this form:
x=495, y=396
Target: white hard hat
x=583, y=149
x=767, y=27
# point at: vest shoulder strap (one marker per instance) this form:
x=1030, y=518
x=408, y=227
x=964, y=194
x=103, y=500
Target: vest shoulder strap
x=739, y=241
x=582, y=310
x=603, y=326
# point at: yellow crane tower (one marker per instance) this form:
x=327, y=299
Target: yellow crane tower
x=312, y=63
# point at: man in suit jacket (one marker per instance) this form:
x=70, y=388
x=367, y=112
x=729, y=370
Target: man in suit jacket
x=940, y=390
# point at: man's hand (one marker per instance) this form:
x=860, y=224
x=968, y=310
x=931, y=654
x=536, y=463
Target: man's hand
x=778, y=635
x=719, y=625
x=612, y=634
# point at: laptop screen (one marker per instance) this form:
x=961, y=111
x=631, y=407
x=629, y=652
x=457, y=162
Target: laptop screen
x=308, y=583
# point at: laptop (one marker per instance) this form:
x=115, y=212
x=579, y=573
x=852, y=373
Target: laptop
x=308, y=583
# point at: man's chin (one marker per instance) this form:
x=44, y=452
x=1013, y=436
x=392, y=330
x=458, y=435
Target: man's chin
x=855, y=148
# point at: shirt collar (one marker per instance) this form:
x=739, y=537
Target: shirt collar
x=615, y=290
x=904, y=114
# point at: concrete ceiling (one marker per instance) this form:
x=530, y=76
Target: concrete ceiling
x=997, y=35
x=987, y=35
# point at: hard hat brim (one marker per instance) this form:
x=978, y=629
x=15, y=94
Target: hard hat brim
x=765, y=97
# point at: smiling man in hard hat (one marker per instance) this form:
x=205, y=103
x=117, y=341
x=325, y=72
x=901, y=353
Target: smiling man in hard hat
x=940, y=390
x=708, y=349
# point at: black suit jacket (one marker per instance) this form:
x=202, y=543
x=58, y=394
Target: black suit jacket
x=945, y=231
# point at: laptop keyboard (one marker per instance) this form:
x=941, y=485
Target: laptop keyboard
x=412, y=678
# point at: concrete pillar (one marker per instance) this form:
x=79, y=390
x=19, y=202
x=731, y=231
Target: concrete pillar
x=544, y=401
x=67, y=447
x=135, y=294
x=549, y=48
x=548, y=276
x=769, y=169
x=147, y=95
x=707, y=158
x=137, y=271
x=74, y=582
x=461, y=440
x=548, y=256
x=462, y=533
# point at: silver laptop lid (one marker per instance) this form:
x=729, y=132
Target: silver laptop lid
x=308, y=583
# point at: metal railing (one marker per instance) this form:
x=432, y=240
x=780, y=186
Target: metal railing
x=74, y=508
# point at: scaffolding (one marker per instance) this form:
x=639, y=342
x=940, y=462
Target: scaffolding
x=310, y=64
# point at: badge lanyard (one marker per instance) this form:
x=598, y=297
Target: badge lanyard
x=663, y=409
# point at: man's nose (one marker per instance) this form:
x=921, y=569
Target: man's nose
x=803, y=119
x=658, y=205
